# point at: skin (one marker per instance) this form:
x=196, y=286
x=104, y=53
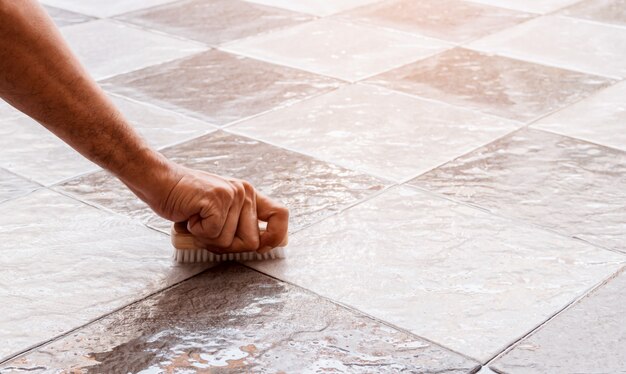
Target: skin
x=40, y=76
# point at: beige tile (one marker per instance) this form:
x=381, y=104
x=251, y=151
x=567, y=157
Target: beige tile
x=216, y=21
x=564, y=42
x=570, y=186
x=65, y=263
x=317, y=7
x=502, y=86
x=12, y=185
x=99, y=8
x=7, y=111
x=337, y=49
x=600, y=119
x=452, y=20
x=126, y=48
x=65, y=18
x=538, y=6
x=608, y=11
x=449, y=273
x=377, y=131
x=220, y=87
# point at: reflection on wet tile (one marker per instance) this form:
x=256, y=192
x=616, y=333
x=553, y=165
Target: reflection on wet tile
x=12, y=186
x=587, y=338
x=30, y=150
x=449, y=273
x=311, y=189
x=220, y=87
x=600, y=119
x=563, y=42
x=571, y=186
x=376, y=130
x=65, y=18
x=609, y=11
x=233, y=319
x=498, y=85
x=538, y=6
x=126, y=48
x=337, y=49
x=452, y=20
x=65, y=263
x=107, y=8
x=317, y=7
x=215, y=22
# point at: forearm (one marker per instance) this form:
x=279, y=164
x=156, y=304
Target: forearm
x=40, y=76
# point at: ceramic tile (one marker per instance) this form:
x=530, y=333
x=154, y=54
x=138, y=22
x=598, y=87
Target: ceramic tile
x=7, y=111
x=126, y=48
x=571, y=186
x=108, y=8
x=376, y=130
x=65, y=18
x=342, y=50
x=575, y=341
x=215, y=22
x=451, y=20
x=564, y=42
x=608, y=11
x=538, y=6
x=311, y=189
x=220, y=87
x=600, y=119
x=233, y=319
x=12, y=186
x=501, y=86
x=449, y=273
x=67, y=264
x=317, y=7
x=28, y=149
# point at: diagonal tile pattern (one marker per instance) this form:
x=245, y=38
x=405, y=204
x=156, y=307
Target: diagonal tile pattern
x=214, y=22
x=498, y=85
x=316, y=7
x=329, y=47
x=71, y=265
x=66, y=18
x=452, y=274
x=12, y=186
x=571, y=186
x=378, y=131
x=537, y=6
x=452, y=20
x=607, y=11
x=220, y=87
x=233, y=319
x=107, y=8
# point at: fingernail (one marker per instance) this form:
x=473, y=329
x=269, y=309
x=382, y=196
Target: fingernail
x=265, y=249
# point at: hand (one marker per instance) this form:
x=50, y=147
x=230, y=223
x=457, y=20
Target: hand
x=222, y=213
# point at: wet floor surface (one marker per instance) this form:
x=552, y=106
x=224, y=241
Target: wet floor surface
x=455, y=171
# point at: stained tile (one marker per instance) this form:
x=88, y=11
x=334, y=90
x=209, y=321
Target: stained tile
x=600, y=119
x=587, y=338
x=502, y=86
x=65, y=18
x=220, y=87
x=126, y=48
x=99, y=8
x=571, y=186
x=12, y=186
x=342, y=50
x=234, y=319
x=449, y=273
x=65, y=264
x=215, y=22
x=609, y=11
x=317, y=7
x=564, y=42
x=451, y=20
x=311, y=189
x=376, y=130
x=538, y=6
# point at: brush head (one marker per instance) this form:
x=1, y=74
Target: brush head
x=186, y=251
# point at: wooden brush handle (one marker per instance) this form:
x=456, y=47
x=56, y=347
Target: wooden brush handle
x=183, y=239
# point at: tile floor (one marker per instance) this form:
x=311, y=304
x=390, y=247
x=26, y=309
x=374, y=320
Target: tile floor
x=456, y=173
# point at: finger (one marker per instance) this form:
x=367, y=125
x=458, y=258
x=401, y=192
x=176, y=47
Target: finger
x=247, y=235
x=277, y=218
x=226, y=237
x=210, y=222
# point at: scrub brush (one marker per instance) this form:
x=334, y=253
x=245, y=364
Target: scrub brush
x=186, y=251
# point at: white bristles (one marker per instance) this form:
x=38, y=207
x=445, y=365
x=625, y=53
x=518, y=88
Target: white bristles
x=202, y=255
